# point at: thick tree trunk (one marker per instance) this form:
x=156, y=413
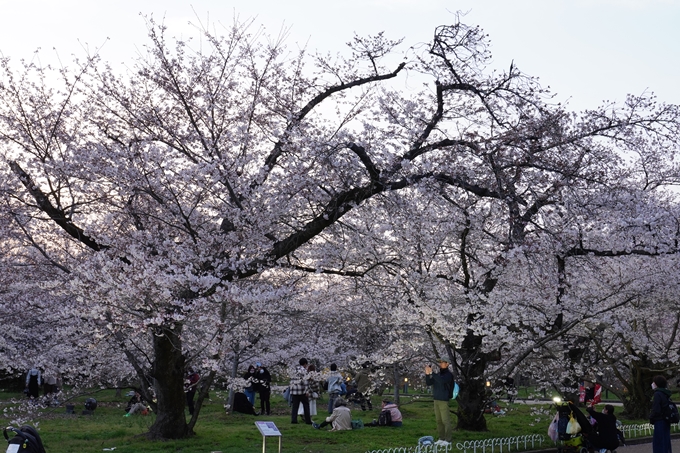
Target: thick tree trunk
x=637, y=400
x=234, y=371
x=471, y=372
x=471, y=401
x=168, y=375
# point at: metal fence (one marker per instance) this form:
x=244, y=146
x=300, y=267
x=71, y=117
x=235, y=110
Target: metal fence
x=502, y=444
x=512, y=444
x=493, y=445
x=644, y=429
x=416, y=449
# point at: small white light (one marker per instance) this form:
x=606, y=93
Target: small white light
x=557, y=399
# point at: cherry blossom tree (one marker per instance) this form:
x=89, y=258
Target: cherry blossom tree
x=215, y=178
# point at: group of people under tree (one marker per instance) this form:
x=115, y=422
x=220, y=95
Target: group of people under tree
x=603, y=433
x=35, y=379
x=258, y=383
x=304, y=391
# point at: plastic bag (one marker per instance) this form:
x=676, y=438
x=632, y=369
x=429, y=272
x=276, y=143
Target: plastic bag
x=573, y=427
x=552, y=429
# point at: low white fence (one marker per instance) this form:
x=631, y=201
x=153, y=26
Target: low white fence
x=644, y=429
x=493, y=445
x=502, y=444
x=416, y=449
x=516, y=443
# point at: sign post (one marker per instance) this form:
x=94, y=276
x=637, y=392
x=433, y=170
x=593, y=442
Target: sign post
x=268, y=429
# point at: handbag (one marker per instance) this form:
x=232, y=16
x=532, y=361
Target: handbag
x=573, y=426
x=552, y=429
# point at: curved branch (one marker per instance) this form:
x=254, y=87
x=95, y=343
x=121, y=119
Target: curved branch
x=56, y=214
x=272, y=158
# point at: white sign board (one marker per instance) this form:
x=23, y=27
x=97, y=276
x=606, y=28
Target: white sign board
x=268, y=429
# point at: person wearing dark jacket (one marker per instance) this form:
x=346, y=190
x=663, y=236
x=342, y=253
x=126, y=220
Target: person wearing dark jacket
x=606, y=437
x=442, y=387
x=136, y=404
x=661, y=442
x=33, y=382
x=263, y=387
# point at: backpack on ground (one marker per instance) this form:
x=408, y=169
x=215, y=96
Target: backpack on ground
x=357, y=423
x=26, y=440
x=385, y=418
x=671, y=412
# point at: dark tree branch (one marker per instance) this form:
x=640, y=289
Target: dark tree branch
x=272, y=158
x=56, y=214
x=360, y=151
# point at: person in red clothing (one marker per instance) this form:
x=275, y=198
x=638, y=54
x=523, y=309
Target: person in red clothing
x=190, y=384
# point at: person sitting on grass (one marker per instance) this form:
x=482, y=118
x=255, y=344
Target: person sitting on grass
x=394, y=417
x=394, y=411
x=136, y=404
x=340, y=419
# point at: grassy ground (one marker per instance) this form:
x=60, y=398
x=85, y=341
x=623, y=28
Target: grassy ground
x=217, y=431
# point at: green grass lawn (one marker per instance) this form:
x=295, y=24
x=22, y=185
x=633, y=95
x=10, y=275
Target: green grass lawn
x=217, y=431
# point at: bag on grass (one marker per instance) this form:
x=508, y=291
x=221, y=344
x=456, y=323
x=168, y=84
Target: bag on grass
x=357, y=424
x=26, y=440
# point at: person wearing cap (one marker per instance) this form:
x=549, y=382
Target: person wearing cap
x=263, y=384
x=442, y=387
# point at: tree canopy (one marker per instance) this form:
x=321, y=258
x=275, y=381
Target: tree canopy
x=228, y=198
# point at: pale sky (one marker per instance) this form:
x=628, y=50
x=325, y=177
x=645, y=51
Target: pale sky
x=585, y=50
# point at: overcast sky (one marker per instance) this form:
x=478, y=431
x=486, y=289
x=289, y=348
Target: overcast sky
x=585, y=50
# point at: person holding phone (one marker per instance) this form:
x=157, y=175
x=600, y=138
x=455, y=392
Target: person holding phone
x=442, y=388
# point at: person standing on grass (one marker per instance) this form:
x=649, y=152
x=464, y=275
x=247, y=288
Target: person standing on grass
x=334, y=387
x=661, y=442
x=33, y=382
x=249, y=390
x=298, y=393
x=190, y=383
x=363, y=382
x=264, y=384
x=442, y=387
